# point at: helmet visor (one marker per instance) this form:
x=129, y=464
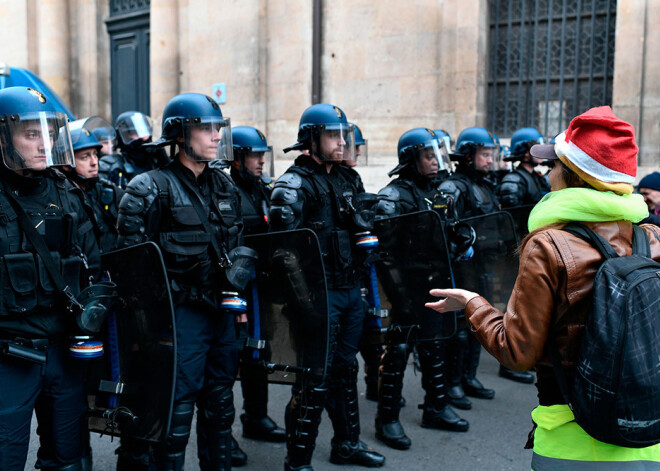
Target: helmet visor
x=104, y=133
x=432, y=157
x=361, y=154
x=36, y=141
x=257, y=162
x=336, y=142
x=208, y=138
x=133, y=127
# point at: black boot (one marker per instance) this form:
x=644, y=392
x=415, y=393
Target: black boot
x=254, y=385
x=388, y=428
x=455, y=352
x=238, y=456
x=471, y=385
x=345, y=452
x=519, y=376
x=302, y=420
x=437, y=413
x=133, y=455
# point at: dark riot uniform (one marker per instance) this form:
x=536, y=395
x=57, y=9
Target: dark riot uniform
x=473, y=194
x=158, y=207
x=310, y=197
x=408, y=193
x=32, y=315
x=121, y=168
x=521, y=187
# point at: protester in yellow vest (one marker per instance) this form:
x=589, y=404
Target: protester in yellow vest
x=595, y=163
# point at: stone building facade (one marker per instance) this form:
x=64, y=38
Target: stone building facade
x=390, y=65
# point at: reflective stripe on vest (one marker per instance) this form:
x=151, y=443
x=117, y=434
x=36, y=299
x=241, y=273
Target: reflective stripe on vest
x=561, y=444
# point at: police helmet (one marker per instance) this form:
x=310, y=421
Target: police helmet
x=188, y=117
x=416, y=142
x=361, y=145
x=33, y=134
x=522, y=140
x=321, y=119
x=82, y=138
x=247, y=140
x=445, y=137
x=134, y=128
x=471, y=139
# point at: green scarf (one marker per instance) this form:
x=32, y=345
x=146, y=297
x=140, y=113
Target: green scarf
x=585, y=204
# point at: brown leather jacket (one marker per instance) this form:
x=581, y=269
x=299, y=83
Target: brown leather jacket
x=552, y=294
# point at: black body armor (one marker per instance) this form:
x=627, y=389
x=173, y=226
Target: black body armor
x=30, y=304
x=473, y=194
x=255, y=202
x=520, y=188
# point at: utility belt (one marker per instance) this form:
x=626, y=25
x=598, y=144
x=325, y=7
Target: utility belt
x=33, y=350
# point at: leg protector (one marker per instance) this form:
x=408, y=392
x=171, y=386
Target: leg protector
x=342, y=404
x=437, y=413
x=218, y=410
x=172, y=456
x=371, y=354
x=302, y=418
x=456, y=349
x=390, y=381
x=254, y=385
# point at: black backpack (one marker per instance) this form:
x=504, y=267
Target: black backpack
x=615, y=395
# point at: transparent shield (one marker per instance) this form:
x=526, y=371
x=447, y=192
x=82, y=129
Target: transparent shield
x=336, y=143
x=208, y=138
x=36, y=141
x=135, y=126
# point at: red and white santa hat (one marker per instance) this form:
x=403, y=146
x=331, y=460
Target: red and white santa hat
x=601, y=149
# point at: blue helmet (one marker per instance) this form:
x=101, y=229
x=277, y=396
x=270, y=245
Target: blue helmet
x=190, y=112
x=134, y=128
x=361, y=144
x=321, y=118
x=25, y=110
x=522, y=140
x=411, y=145
x=445, y=137
x=82, y=138
x=246, y=140
x=471, y=139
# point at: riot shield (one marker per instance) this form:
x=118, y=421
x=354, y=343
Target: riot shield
x=288, y=308
x=493, y=269
x=132, y=387
x=520, y=215
x=414, y=258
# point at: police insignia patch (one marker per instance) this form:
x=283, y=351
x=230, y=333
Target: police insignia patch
x=338, y=111
x=40, y=96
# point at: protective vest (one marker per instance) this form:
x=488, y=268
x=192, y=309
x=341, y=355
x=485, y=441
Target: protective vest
x=25, y=285
x=560, y=443
x=329, y=206
x=529, y=187
x=478, y=196
x=255, y=201
x=104, y=200
x=186, y=246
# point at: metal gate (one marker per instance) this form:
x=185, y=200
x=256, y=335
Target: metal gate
x=128, y=27
x=550, y=60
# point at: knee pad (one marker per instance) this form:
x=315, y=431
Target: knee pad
x=395, y=357
x=218, y=407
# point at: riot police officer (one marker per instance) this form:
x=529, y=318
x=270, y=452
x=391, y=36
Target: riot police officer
x=473, y=194
x=370, y=348
x=523, y=186
x=314, y=194
x=49, y=254
x=136, y=156
x=251, y=154
x=422, y=155
x=191, y=209
x=103, y=196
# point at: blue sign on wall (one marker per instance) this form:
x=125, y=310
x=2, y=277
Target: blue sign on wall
x=219, y=93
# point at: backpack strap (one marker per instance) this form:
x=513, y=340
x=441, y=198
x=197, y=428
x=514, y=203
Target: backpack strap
x=587, y=234
x=641, y=245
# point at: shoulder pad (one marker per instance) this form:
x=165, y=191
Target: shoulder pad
x=512, y=177
x=110, y=162
x=389, y=193
x=449, y=186
x=141, y=185
x=289, y=180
